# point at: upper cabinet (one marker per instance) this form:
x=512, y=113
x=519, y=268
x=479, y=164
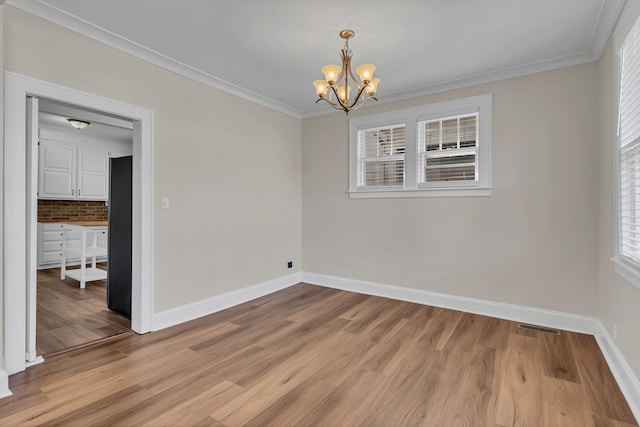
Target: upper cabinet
x=93, y=174
x=57, y=170
x=72, y=172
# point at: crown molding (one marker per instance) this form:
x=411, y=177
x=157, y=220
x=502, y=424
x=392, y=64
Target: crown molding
x=606, y=22
x=519, y=71
x=111, y=39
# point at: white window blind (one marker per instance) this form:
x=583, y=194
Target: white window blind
x=381, y=157
x=448, y=151
x=629, y=140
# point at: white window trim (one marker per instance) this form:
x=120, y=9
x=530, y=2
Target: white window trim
x=624, y=267
x=411, y=116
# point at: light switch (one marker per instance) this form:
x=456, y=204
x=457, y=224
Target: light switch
x=165, y=202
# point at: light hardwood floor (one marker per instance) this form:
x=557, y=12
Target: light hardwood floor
x=311, y=356
x=68, y=316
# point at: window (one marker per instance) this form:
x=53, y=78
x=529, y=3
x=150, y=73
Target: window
x=447, y=150
x=627, y=257
x=441, y=149
x=381, y=157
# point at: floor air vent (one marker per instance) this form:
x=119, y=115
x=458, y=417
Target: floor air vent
x=539, y=329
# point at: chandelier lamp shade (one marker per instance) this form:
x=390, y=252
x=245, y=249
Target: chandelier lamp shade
x=337, y=81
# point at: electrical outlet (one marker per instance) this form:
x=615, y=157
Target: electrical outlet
x=615, y=332
x=290, y=264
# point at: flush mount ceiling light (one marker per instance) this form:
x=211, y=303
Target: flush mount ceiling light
x=337, y=81
x=78, y=124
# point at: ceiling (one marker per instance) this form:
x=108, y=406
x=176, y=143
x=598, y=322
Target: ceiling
x=270, y=51
x=56, y=114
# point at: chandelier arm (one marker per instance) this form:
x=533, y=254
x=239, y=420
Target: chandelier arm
x=355, y=101
x=338, y=99
x=355, y=80
x=333, y=104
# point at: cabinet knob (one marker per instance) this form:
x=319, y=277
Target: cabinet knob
x=72, y=192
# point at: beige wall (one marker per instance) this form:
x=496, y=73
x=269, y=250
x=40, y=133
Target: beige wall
x=230, y=166
x=533, y=242
x=618, y=300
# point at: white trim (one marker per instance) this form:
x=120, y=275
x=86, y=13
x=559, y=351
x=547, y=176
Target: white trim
x=17, y=88
x=37, y=361
x=197, y=309
x=509, y=73
x=88, y=29
x=431, y=192
x=627, y=19
x=4, y=385
x=629, y=272
x=622, y=372
x=606, y=21
x=411, y=117
x=517, y=313
x=598, y=41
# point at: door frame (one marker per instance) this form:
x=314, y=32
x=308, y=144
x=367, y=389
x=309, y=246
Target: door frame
x=16, y=219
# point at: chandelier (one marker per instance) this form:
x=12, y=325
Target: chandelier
x=337, y=81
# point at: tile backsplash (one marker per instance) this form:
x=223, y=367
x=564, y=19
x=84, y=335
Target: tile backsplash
x=57, y=210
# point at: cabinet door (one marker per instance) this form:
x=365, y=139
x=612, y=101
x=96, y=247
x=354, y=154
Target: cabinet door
x=57, y=170
x=93, y=174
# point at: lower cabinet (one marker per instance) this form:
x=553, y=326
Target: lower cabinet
x=50, y=245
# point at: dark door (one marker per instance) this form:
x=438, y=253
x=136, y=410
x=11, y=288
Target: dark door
x=120, y=246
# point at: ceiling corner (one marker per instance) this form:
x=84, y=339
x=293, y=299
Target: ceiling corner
x=604, y=27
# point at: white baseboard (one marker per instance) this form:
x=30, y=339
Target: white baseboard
x=177, y=315
x=38, y=360
x=624, y=375
x=517, y=313
x=4, y=385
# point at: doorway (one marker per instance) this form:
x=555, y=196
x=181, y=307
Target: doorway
x=76, y=151
x=19, y=221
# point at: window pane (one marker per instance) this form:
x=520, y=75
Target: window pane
x=381, y=156
x=450, y=133
x=371, y=143
x=451, y=160
x=468, y=131
x=379, y=173
x=433, y=135
x=630, y=202
x=450, y=153
x=461, y=173
x=629, y=146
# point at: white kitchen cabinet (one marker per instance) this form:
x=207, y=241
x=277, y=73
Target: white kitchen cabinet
x=50, y=244
x=57, y=170
x=71, y=172
x=93, y=174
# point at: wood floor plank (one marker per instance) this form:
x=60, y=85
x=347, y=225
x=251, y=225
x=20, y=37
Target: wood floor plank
x=68, y=316
x=558, y=358
x=519, y=400
x=193, y=411
x=596, y=376
x=309, y=355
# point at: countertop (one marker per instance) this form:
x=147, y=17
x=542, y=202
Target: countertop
x=83, y=222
